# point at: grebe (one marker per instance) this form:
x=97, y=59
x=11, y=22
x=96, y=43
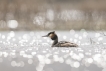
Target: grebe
x=54, y=37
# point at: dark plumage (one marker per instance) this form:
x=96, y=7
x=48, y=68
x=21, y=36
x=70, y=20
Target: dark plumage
x=54, y=37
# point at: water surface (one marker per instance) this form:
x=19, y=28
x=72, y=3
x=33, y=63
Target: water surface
x=28, y=51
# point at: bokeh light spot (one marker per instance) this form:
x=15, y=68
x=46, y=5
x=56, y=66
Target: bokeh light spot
x=12, y=24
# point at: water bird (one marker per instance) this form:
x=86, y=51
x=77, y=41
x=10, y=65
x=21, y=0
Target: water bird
x=54, y=37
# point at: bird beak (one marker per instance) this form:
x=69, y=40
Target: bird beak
x=45, y=36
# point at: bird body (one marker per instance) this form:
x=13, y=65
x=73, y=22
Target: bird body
x=65, y=44
x=54, y=37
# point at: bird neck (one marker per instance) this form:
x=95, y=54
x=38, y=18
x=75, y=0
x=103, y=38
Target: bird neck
x=55, y=41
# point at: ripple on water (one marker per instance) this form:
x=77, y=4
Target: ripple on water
x=29, y=48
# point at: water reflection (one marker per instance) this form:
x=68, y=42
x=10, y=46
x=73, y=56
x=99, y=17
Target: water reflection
x=30, y=49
